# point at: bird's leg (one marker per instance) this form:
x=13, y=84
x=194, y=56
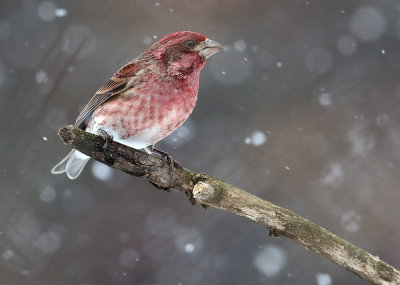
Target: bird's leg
x=107, y=137
x=173, y=163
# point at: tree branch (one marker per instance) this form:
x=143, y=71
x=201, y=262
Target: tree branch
x=209, y=191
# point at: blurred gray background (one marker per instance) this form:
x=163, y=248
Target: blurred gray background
x=302, y=109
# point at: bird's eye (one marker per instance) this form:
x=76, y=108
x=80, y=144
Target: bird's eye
x=190, y=44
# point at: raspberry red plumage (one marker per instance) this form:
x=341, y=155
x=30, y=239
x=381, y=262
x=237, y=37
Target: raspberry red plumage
x=148, y=98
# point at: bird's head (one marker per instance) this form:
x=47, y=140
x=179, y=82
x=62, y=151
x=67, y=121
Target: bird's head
x=183, y=53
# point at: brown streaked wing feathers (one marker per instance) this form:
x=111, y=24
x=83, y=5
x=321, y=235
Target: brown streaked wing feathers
x=113, y=87
x=109, y=90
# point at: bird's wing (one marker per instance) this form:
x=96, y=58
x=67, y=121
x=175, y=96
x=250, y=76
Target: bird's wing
x=117, y=84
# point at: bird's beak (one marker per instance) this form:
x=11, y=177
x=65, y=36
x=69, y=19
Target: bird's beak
x=208, y=48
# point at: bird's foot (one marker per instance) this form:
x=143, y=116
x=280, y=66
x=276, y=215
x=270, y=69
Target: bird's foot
x=106, y=137
x=172, y=163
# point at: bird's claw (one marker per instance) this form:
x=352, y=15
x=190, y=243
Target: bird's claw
x=172, y=163
x=106, y=137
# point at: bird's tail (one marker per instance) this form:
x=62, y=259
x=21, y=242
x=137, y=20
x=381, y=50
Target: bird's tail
x=72, y=164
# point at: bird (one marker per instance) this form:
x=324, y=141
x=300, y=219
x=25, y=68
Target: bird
x=147, y=99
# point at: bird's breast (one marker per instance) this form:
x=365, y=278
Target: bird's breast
x=152, y=109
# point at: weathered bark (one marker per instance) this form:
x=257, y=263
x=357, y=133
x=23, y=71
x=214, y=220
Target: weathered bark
x=209, y=191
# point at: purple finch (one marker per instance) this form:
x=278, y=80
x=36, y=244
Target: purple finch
x=147, y=99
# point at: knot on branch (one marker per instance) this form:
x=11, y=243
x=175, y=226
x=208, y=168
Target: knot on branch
x=206, y=193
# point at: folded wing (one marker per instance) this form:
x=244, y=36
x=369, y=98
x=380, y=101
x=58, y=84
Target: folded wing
x=116, y=85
